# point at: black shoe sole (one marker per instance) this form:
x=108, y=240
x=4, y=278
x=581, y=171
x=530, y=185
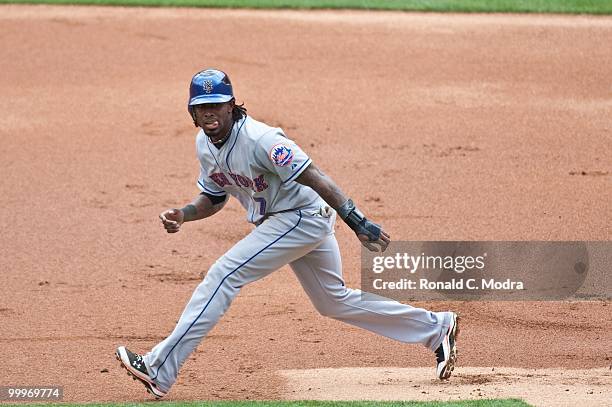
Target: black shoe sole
x=146, y=384
x=452, y=360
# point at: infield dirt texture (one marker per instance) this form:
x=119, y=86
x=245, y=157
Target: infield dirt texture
x=441, y=127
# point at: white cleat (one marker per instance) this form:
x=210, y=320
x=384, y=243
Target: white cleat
x=446, y=354
x=133, y=363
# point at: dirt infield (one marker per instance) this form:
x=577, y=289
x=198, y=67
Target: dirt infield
x=458, y=127
x=538, y=387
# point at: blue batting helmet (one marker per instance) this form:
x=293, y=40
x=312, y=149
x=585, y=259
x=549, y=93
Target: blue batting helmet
x=209, y=86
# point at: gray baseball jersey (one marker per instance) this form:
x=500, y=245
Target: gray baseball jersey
x=257, y=165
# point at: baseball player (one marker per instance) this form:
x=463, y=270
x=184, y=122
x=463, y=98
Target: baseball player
x=293, y=205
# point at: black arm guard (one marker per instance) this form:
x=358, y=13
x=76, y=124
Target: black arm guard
x=358, y=222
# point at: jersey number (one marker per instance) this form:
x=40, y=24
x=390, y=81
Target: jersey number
x=262, y=205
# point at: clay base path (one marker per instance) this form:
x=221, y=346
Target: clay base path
x=539, y=387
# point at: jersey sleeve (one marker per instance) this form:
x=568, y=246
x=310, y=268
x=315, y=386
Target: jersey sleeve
x=281, y=155
x=207, y=185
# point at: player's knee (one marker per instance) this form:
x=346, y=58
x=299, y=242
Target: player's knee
x=219, y=283
x=329, y=311
x=215, y=273
x=331, y=307
x=216, y=276
x=326, y=312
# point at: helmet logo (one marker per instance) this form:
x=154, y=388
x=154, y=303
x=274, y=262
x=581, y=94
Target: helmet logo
x=208, y=86
x=281, y=155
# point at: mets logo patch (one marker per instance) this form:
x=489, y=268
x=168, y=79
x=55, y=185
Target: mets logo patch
x=281, y=155
x=208, y=86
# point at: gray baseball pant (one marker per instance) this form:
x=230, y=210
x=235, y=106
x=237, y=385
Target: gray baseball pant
x=305, y=240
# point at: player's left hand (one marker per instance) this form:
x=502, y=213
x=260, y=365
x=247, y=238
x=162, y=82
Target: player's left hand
x=379, y=245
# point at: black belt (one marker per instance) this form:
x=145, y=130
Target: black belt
x=268, y=214
x=324, y=211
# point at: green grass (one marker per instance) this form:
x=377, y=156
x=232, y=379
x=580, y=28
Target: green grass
x=474, y=403
x=516, y=6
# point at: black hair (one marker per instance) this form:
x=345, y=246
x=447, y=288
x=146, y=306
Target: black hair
x=238, y=112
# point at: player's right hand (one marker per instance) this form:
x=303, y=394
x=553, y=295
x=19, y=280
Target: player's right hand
x=172, y=219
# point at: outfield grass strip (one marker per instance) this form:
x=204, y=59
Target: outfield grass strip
x=465, y=6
